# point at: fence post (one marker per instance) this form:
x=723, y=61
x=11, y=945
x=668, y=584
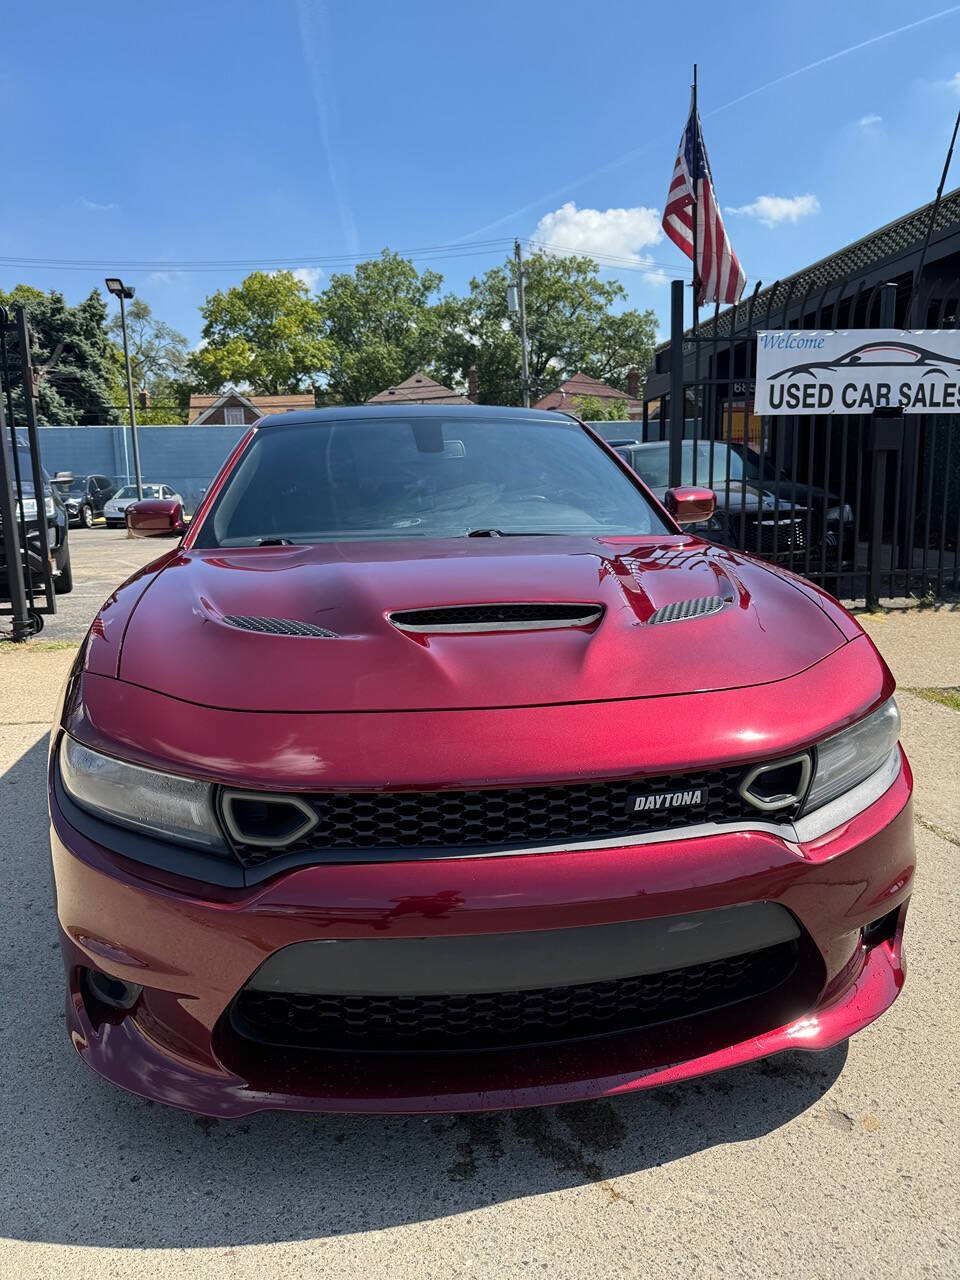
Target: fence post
x=22, y=622
x=886, y=435
x=677, y=405
x=30, y=410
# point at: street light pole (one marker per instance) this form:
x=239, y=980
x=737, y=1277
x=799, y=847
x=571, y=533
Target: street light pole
x=522, y=304
x=122, y=291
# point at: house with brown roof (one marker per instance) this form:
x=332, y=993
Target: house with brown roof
x=580, y=386
x=236, y=408
x=418, y=389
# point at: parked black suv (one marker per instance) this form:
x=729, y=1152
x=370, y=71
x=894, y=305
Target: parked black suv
x=83, y=496
x=56, y=520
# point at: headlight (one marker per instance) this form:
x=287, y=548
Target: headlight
x=157, y=804
x=842, y=515
x=850, y=757
x=30, y=508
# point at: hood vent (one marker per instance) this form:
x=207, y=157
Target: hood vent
x=497, y=617
x=278, y=626
x=680, y=610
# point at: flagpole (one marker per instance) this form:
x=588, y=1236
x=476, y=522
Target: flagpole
x=696, y=192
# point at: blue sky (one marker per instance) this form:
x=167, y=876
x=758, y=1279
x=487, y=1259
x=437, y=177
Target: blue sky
x=316, y=129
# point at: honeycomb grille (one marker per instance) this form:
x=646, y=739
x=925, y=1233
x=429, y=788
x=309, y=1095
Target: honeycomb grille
x=507, y=1019
x=502, y=818
x=680, y=610
x=278, y=626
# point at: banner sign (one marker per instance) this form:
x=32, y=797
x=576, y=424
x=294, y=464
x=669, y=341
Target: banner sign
x=857, y=371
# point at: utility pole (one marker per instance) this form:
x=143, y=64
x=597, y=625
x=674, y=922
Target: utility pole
x=521, y=301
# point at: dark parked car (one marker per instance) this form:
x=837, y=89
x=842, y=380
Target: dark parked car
x=747, y=513
x=84, y=496
x=56, y=515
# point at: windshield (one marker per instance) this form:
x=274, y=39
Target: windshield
x=406, y=477
x=652, y=463
x=130, y=491
x=67, y=487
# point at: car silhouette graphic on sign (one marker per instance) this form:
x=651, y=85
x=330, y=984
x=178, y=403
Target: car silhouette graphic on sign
x=878, y=355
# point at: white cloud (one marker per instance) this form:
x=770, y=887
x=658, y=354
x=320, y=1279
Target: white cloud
x=96, y=205
x=772, y=210
x=310, y=276
x=165, y=277
x=953, y=83
x=869, y=121
x=618, y=233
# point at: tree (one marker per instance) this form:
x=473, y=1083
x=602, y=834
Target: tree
x=159, y=364
x=600, y=409
x=266, y=334
x=571, y=327
x=158, y=354
x=382, y=324
x=72, y=355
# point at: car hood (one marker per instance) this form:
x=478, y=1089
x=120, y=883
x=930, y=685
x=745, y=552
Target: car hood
x=179, y=642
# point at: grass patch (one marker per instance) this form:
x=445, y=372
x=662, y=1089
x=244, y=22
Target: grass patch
x=947, y=697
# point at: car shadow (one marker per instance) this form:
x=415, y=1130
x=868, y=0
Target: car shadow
x=83, y=1163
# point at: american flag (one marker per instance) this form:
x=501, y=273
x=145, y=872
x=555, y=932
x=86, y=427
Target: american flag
x=717, y=268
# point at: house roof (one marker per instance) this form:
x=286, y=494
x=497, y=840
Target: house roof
x=582, y=385
x=202, y=406
x=418, y=389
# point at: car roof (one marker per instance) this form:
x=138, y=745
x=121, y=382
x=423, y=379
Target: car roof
x=304, y=417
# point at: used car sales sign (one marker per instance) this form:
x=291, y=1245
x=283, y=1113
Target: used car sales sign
x=857, y=371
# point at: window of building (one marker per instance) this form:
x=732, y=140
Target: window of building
x=233, y=415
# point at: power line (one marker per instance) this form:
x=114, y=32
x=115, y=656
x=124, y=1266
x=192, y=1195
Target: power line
x=239, y=264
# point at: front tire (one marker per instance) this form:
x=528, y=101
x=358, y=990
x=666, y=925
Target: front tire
x=63, y=582
x=86, y=516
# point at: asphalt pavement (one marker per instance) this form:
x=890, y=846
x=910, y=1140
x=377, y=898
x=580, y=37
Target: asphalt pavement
x=842, y=1164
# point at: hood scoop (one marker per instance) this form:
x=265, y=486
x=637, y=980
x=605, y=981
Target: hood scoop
x=466, y=618
x=681, y=610
x=277, y=626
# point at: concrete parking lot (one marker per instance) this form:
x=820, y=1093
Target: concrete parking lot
x=800, y=1166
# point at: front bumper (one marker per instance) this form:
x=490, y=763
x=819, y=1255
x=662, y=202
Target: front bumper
x=193, y=948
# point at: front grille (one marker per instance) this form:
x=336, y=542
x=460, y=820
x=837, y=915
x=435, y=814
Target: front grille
x=516, y=817
x=507, y=1019
x=781, y=535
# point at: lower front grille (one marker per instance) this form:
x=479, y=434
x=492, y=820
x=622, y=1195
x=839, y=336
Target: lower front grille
x=507, y=1019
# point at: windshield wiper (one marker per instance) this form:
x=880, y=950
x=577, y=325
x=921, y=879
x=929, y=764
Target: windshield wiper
x=274, y=542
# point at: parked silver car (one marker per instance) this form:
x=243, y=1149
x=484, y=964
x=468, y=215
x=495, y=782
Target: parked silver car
x=114, y=510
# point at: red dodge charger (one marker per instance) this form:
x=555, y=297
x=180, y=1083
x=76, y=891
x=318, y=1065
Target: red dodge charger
x=436, y=768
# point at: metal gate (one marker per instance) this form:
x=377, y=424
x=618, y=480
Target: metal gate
x=864, y=505
x=26, y=499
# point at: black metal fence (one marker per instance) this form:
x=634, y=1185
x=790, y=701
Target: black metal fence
x=26, y=570
x=867, y=505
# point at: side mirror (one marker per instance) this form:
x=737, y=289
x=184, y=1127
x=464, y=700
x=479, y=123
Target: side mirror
x=155, y=518
x=689, y=505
